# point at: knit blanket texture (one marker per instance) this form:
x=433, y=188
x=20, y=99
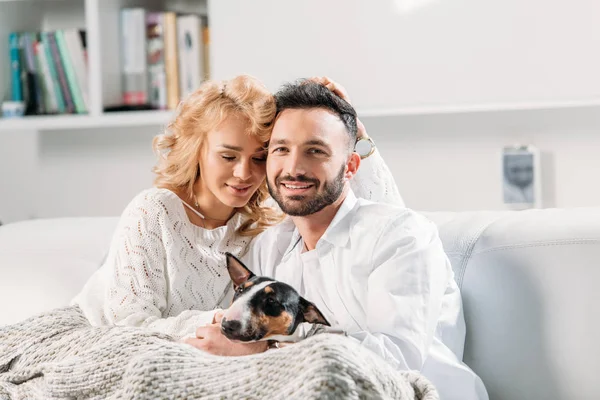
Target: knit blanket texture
x=59, y=355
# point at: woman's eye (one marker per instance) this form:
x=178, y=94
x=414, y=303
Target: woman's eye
x=228, y=158
x=260, y=159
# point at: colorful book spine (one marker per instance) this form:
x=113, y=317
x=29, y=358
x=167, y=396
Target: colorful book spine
x=76, y=50
x=189, y=32
x=48, y=90
x=134, y=75
x=36, y=101
x=60, y=101
x=156, y=60
x=171, y=68
x=70, y=73
x=62, y=76
x=206, y=50
x=15, y=67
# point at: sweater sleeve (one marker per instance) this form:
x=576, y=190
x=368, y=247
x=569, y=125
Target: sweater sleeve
x=133, y=291
x=375, y=182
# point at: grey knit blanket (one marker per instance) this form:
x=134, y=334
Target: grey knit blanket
x=58, y=355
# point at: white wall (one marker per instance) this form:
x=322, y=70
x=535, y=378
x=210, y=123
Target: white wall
x=452, y=162
x=399, y=54
x=73, y=173
x=440, y=162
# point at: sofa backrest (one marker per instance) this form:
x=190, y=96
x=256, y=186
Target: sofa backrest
x=529, y=281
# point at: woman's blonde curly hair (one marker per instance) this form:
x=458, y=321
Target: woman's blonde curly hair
x=179, y=148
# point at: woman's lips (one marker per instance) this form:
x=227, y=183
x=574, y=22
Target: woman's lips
x=239, y=190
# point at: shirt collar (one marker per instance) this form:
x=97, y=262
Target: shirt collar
x=338, y=231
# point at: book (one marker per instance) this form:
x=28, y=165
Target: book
x=171, y=59
x=191, y=53
x=47, y=83
x=60, y=100
x=70, y=75
x=60, y=72
x=77, y=54
x=15, y=67
x=157, y=90
x=134, y=74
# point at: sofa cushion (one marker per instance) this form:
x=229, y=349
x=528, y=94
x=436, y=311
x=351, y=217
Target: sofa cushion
x=44, y=263
x=529, y=283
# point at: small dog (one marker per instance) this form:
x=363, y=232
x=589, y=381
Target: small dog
x=264, y=309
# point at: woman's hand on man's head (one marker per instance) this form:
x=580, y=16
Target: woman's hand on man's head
x=340, y=91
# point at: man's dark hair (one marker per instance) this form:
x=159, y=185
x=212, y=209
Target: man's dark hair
x=305, y=94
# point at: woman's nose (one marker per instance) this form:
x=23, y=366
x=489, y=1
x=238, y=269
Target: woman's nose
x=242, y=171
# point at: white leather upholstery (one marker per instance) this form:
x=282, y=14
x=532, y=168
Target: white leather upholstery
x=45, y=263
x=529, y=282
x=528, y=278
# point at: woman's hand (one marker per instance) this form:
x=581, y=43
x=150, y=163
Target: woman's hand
x=210, y=339
x=218, y=316
x=340, y=91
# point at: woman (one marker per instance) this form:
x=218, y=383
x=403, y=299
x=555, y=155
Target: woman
x=166, y=267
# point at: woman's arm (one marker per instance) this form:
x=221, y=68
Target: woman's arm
x=374, y=180
x=131, y=287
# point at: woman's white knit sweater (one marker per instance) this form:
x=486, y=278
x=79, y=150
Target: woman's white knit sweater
x=167, y=274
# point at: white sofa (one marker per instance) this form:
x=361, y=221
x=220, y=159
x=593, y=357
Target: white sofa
x=529, y=281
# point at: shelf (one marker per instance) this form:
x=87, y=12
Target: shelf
x=482, y=108
x=106, y=120
x=162, y=117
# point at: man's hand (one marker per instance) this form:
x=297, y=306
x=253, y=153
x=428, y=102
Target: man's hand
x=210, y=339
x=340, y=91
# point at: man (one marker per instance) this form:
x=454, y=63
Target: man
x=375, y=270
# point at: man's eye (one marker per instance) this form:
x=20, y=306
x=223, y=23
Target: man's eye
x=278, y=150
x=316, y=151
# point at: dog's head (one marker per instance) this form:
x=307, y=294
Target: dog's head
x=263, y=307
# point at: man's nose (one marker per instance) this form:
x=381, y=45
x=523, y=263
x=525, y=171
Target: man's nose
x=294, y=165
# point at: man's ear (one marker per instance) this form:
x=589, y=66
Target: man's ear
x=311, y=313
x=237, y=270
x=352, y=166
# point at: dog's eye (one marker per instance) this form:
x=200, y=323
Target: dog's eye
x=272, y=301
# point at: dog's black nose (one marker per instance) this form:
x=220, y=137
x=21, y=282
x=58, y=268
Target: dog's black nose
x=230, y=326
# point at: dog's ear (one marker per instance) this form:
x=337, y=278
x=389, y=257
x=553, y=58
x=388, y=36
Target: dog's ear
x=237, y=270
x=311, y=313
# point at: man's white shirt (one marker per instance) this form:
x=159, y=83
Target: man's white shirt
x=380, y=273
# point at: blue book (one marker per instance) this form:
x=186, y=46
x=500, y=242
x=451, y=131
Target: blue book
x=15, y=67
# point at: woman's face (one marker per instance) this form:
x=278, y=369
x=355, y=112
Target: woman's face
x=232, y=166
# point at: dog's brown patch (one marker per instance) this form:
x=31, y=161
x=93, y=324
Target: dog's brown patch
x=247, y=285
x=268, y=289
x=279, y=325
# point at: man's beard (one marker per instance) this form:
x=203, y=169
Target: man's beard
x=302, y=205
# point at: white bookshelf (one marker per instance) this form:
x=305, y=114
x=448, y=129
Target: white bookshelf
x=162, y=117
x=243, y=39
x=100, y=19
x=105, y=120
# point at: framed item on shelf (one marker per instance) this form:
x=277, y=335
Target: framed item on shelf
x=521, y=177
